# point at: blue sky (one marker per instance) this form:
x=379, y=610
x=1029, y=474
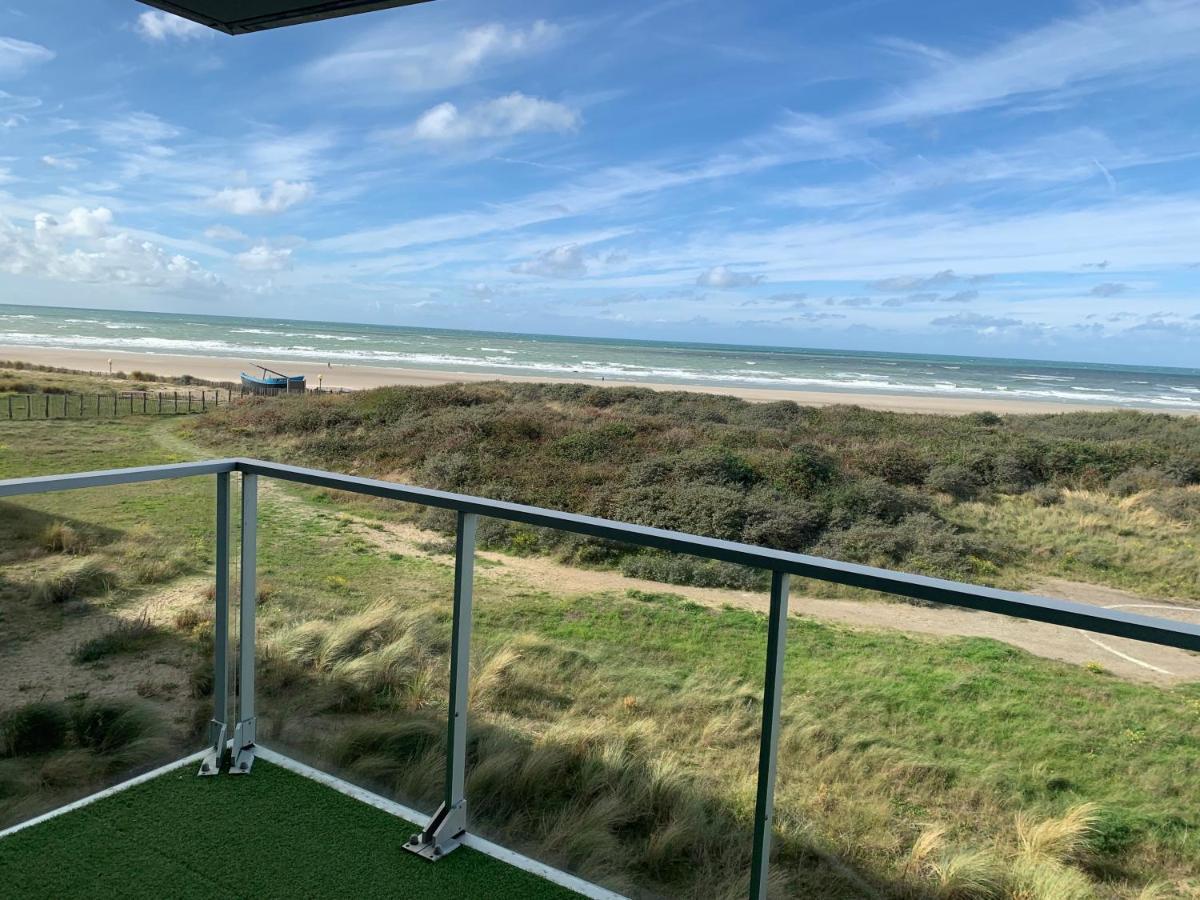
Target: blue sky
x=1004, y=178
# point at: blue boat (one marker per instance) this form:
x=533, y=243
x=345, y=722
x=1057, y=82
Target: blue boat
x=273, y=382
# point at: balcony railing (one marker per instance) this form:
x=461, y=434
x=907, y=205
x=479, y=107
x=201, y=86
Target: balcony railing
x=449, y=825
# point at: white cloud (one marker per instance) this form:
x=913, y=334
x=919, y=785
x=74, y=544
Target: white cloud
x=391, y=60
x=724, y=279
x=506, y=116
x=60, y=162
x=17, y=56
x=904, y=283
x=82, y=248
x=566, y=261
x=980, y=323
x=251, y=201
x=161, y=26
x=262, y=258
x=1127, y=41
x=1109, y=289
x=135, y=130
x=224, y=233
x=80, y=223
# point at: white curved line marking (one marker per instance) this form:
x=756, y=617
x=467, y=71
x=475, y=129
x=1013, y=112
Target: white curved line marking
x=1126, y=656
x=1190, y=609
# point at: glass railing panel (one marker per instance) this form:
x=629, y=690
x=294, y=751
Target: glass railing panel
x=105, y=637
x=354, y=610
x=615, y=717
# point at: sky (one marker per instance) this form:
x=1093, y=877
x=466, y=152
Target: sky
x=1005, y=178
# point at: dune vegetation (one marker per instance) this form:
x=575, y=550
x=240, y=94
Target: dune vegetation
x=939, y=495
x=615, y=733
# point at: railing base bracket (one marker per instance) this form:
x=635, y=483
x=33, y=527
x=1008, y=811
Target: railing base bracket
x=215, y=758
x=243, y=748
x=441, y=837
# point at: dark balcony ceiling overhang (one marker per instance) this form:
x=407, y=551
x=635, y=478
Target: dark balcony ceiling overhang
x=247, y=16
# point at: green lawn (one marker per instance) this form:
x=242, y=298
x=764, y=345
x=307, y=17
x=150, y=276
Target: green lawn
x=274, y=834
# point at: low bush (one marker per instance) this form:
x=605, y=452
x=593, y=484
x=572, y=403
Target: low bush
x=872, y=498
x=87, y=580
x=109, y=727
x=674, y=568
x=959, y=481
x=130, y=636
x=1141, y=478
x=33, y=729
x=1180, y=504
x=918, y=543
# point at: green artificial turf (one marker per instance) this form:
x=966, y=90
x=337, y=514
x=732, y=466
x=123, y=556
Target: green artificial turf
x=273, y=834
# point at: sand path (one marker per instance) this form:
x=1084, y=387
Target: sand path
x=1125, y=658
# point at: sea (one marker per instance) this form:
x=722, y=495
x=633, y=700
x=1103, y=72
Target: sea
x=730, y=365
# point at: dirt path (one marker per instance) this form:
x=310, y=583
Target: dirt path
x=1128, y=659
x=1125, y=658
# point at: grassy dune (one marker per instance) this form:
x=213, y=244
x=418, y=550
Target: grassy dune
x=616, y=733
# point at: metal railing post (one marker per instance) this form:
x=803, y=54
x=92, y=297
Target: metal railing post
x=244, y=734
x=218, y=727
x=450, y=821
x=764, y=811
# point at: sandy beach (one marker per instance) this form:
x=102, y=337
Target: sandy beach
x=358, y=377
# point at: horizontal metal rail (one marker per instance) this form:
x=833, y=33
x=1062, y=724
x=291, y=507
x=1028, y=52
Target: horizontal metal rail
x=919, y=587
x=49, y=484
x=1150, y=629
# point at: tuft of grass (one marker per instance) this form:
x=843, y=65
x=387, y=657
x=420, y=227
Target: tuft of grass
x=129, y=636
x=1059, y=840
x=189, y=619
x=87, y=580
x=968, y=875
x=32, y=729
x=59, y=537
x=1032, y=878
x=113, y=727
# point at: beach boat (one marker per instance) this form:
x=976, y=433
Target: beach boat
x=273, y=382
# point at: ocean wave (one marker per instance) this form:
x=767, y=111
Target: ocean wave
x=500, y=360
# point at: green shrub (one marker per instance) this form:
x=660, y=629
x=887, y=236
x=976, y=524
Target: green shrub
x=874, y=499
x=1045, y=495
x=919, y=543
x=773, y=521
x=1139, y=479
x=33, y=729
x=959, y=481
x=671, y=568
x=899, y=464
x=1179, y=504
x=806, y=470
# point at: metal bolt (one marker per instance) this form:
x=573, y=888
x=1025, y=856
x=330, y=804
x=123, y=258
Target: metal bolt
x=243, y=766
